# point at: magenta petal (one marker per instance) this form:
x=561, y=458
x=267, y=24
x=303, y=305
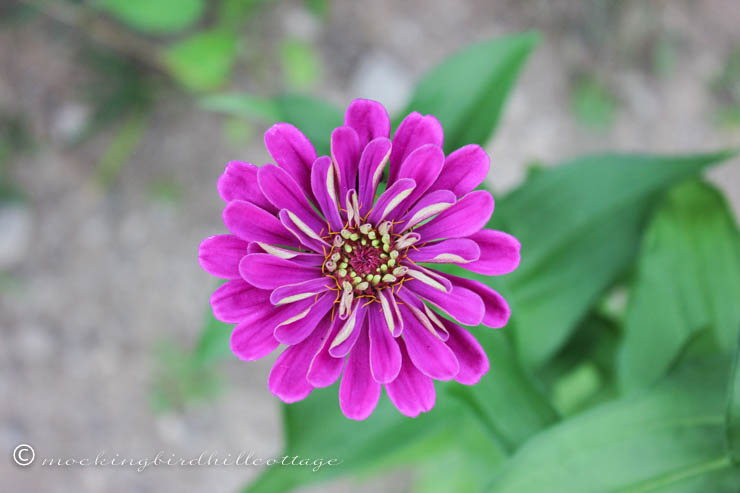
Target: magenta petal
x=391, y=199
x=359, y=392
x=287, y=379
x=446, y=251
x=369, y=119
x=301, y=291
x=324, y=185
x=235, y=300
x=254, y=337
x=269, y=272
x=429, y=205
x=282, y=190
x=464, y=305
x=465, y=218
x=239, y=182
x=464, y=169
x=411, y=392
x=372, y=163
x=499, y=253
x=307, y=236
x=292, y=151
x=303, y=258
x=325, y=368
x=251, y=223
x=423, y=166
x=220, y=255
x=497, y=310
x=349, y=331
x=250, y=342
x=470, y=354
x=385, y=356
x=414, y=131
x=345, y=154
x=428, y=352
x=296, y=331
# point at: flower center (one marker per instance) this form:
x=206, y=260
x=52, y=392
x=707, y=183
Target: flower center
x=365, y=258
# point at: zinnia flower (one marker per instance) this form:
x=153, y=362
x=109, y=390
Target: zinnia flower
x=332, y=257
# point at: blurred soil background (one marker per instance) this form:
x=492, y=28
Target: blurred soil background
x=108, y=169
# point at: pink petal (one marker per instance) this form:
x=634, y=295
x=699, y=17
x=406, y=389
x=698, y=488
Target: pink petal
x=292, y=151
x=429, y=205
x=342, y=348
x=372, y=163
x=464, y=169
x=324, y=186
x=220, y=255
x=302, y=290
x=464, y=305
x=411, y=392
x=385, y=356
x=297, y=331
x=470, y=354
x=359, y=392
x=269, y=272
x=369, y=119
x=465, y=218
x=287, y=379
x=345, y=154
x=391, y=199
x=499, y=253
x=446, y=251
x=414, y=131
x=250, y=343
x=239, y=182
x=427, y=351
x=303, y=258
x=423, y=166
x=251, y=223
x=325, y=368
x=284, y=193
x=497, y=310
x=310, y=238
x=236, y=300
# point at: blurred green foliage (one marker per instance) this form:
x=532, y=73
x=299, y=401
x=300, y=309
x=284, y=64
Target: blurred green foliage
x=204, y=60
x=592, y=103
x=155, y=16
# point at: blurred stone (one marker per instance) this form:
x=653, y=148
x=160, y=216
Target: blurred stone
x=16, y=227
x=69, y=121
x=382, y=78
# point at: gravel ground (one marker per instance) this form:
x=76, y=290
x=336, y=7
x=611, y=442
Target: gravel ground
x=98, y=277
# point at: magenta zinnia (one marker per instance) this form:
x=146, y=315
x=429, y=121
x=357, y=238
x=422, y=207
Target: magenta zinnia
x=333, y=256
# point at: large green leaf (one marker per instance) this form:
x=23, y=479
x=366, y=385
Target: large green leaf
x=506, y=399
x=688, y=280
x=467, y=91
x=733, y=408
x=579, y=225
x=670, y=440
x=204, y=60
x=155, y=16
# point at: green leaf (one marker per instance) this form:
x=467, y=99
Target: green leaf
x=467, y=91
x=242, y=105
x=688, y=280
x=733, y=408
x=668, y=440
x=506, y=399
x=154, y=16
x=315, y=427
x=202, y=61
x=579, y=225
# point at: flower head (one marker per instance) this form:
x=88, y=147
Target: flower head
x=333, y=256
